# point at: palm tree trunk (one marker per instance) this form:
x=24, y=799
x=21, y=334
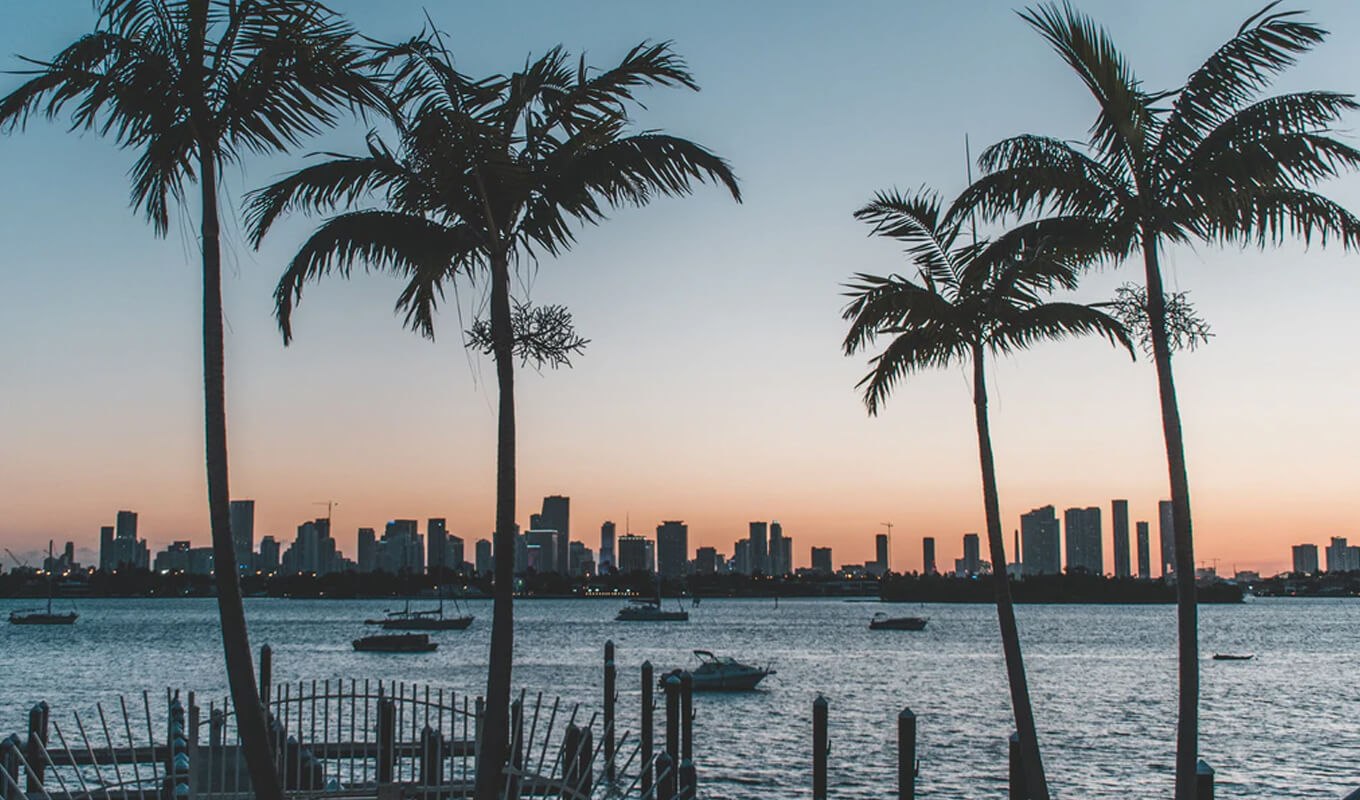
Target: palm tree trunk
x=1187, y=727
x=1035, y=779
x=250, y=720
x=495, y=724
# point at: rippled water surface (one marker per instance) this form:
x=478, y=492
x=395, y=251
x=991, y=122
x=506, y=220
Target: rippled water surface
x=1102, y=678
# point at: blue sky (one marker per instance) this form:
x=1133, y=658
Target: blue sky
x=714, y=390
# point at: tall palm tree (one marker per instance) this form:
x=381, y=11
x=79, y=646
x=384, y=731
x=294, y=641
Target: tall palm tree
x=485, y=176
x=194, y=85
x=1210, y=161
x=970, y=300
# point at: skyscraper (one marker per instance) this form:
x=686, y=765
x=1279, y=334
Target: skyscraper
x=928, y=555
x=972, y=555
x=1083, y=540
x=243, y=532
x=759, y=555
x=1341, y=557
x=1144, y=551
x=127, y=525
x=542, y=550
x=436, y=543
x=881, y=552
x=777, y=566
x=1166, y=531
x=672, y=548
x=607, y=558
x=267, y=561
x=1040, y=542
x=557, y=517
x=706, y=560
x=485, y=564
x=632, y=553
x=741, y=556
x=368, y=550
x=108, y=557
x=1119, y=522
x=1306, y=559
x=786, y=554
x=821, y=560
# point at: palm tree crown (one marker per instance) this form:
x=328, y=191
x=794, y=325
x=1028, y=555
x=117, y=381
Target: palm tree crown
x=969, y=296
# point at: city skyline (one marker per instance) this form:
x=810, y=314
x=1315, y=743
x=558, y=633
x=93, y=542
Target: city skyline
x=674, y=416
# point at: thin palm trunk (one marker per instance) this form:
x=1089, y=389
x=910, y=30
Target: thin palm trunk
x=495, y=726
x=1035, y=780
x=1187, y=727
x=250, y=720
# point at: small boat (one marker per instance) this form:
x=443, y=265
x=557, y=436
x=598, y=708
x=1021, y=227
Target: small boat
x=722, y=674
x=432, y=619
x=647, y=611
x=1233, y=657
x=395, y=643
x=883, y=622
x=38, y=616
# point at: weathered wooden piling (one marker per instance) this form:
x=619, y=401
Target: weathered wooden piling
x=906, y=755
x=820, y=748
x=610, y=696
x=9, y=763
x=576, y=760
x=217, y=721
x=647, y=728
x=672, y=689
x=686, y=716
x=266, y=673
x=37, y=745
x=431, y=758
x=387, y=738
x=687, y=780
x=516, y=766
x=665, y=777
x=1204, y=781
x=1019, y=790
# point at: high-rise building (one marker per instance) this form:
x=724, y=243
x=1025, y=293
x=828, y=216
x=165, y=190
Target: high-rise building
x=108, y=557
x=1306, y=559
x=706, y=560
x=786, y=554
x=1144, y=551
x=243, y=532
x=436, y=542
x=313, y=551
x=582, y=560
x=821, y=560
x=972, y=554
x=672, y=548
x=1083, y=540
x=127, y=525
x=777, y=566
x=1119, y=523
x=401, y=548
x=1341, y=557
x=741, y=557
x=1040, y=541
x=759, y=555
x=607, y=557
x=267, y=562
x=881, y=552
x=1166, y=531
x=127, y=552
x=557, y=516
x=454, y=560
x=632, y=553
x=542, y=550
x=368, y=550
x=928, y=556
x=649, y=547
x=485, y=564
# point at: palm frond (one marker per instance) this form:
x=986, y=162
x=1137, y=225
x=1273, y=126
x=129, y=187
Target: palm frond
x=1266, y=44
x=1126, y=121
x=1270, y=215
x=910, y=351
x=1037, y=173
x=914, y=219
x=882, y=305
x=1046, y=254
x=609, y=92
x=427, y=253
x=1056, y=321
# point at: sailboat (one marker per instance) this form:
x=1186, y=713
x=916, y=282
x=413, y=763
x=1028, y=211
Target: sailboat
x=650, y=611
x=38, y=616
x=431, y=619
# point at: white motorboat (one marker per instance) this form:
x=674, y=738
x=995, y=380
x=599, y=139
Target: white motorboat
x=723, y=674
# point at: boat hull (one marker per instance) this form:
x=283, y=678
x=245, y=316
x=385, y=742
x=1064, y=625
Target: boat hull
x=653, y=616
x=399, y=643
x=898, y=624
x=446, y=624
x=42, y=619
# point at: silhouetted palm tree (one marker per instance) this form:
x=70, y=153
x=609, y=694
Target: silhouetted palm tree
x=194, y=85
x=486, y=175
x=1211, y=161
x=971, y=300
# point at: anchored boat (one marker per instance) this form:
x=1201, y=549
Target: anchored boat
x=883, y=622
x=395, y=643
x=38, y=616
x=723, y=674
x=431, y=619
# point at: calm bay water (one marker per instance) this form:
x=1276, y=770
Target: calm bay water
x=1102, y=678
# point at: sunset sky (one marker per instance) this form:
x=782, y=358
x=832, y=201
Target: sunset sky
x=714, y=389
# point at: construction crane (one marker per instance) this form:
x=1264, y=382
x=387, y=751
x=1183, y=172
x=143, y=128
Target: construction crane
x=330, y=506
x=888, y=566
x=18, y=561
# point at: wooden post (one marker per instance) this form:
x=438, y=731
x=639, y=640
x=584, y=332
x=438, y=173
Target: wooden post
x=1204, y=781
x=576, y=744
x=1019, y=790
x=37, y=746
x=610, y=695
x=9, y=762
x=672, y=688
x=686, y=716
x=646, y=736
x=819, y=748
x=665, y=777
x=431, y=758
x=906, y=755
x=516, y=748
x=689, y=789
x=387, y=739
x=266, y=673
x=585, y=756
x=217, y=721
